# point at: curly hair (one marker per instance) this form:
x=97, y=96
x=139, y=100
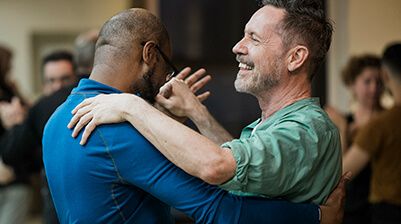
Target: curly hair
x=356, y=65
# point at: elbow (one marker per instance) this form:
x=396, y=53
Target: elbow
x=218, y=172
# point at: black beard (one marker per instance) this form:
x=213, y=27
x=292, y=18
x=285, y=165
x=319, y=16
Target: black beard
x=145, y=88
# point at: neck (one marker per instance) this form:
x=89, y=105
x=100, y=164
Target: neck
x=297, y=88
x=111, y=76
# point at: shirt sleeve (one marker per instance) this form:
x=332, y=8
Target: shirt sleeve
x=274, y=162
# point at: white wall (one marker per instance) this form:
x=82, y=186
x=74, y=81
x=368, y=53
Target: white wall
x=361, y=26
x=19, y=19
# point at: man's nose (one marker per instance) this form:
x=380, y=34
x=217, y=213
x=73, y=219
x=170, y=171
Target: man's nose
x=240, y=48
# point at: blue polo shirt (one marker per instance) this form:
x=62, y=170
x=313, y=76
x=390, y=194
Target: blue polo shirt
x=119, y=177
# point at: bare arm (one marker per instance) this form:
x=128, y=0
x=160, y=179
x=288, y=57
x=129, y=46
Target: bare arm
x=194, y=153
x=341, y=123
x=355, y=160
x=182, y=102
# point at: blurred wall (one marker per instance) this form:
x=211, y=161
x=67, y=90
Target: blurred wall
x=361, y=26
x=21, y=19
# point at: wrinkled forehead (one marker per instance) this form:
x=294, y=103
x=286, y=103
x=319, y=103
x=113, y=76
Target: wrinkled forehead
x=265, y=20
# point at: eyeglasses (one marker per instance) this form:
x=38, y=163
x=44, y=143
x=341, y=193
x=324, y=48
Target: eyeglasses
x=174, y=69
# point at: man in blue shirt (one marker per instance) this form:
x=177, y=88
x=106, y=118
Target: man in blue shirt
x=119, y=177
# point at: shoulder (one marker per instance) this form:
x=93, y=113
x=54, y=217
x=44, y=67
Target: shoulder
x=122, y=135
x=310, y=117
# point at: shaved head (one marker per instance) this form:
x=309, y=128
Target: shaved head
x=121, y=34
x=128, y=56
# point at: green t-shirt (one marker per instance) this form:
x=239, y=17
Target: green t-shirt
x=295, y=155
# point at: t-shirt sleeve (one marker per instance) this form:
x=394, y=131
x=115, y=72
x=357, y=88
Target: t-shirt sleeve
x=269, y=163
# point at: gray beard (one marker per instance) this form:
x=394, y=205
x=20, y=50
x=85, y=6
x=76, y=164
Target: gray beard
x=257, y=84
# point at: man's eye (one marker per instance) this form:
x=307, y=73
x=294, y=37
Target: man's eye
x=254, y=39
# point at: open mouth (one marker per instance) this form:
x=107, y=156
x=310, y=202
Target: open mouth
x=243, y=66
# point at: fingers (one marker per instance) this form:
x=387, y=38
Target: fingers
x=84, y=120
x=194, y=77
x=78, y=114
x=87, y=132
x=202, y=97
x=184, y=73
x=83, y=104
x=337, y=197
x=344, y=180
x=164, y=102
x=201, y=83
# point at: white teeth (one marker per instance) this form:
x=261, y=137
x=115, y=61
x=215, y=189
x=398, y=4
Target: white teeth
x=244, y=66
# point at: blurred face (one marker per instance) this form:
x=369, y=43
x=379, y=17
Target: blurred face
x=58, y=74
x=368, y=87
x=260, y=52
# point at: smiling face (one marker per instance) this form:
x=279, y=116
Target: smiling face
x=260, y=52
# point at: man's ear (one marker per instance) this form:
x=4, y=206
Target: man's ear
x=149, y=54
x=297, y=57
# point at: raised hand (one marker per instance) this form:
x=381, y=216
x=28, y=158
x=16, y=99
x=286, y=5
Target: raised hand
x=12, y=113
x=178, y=95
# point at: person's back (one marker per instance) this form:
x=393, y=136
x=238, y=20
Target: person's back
x=92, y=189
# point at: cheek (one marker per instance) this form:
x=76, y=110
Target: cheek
x=358, y=90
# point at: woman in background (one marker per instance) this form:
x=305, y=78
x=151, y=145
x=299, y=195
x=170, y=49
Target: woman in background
x=362, y=77
x=14, y=184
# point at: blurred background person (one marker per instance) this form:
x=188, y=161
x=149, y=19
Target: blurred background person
x=84, y=48
x=379, y=142
x=362, y=77
x=58, y=71
x=14, y=187
x=22, y=144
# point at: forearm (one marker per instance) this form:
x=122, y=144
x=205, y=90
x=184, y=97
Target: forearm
x=208, y=126
x=355, y=160
x=192, y=152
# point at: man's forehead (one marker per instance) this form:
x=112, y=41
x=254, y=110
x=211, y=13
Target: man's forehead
x=58, y=67
x=264, y=20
